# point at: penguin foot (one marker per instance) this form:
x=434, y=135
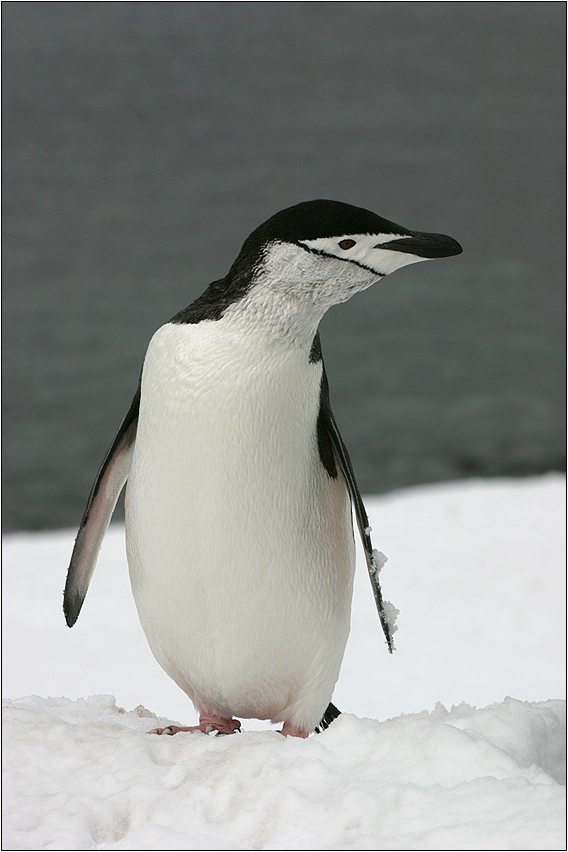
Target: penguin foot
x=289, y=731
x=207, y=725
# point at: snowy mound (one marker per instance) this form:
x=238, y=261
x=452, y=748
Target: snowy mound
x=464, y=779
x=476, y=569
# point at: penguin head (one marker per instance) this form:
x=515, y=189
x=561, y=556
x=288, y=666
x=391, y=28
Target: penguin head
x=308, y=257
x=364, y=239
x=329, y=240
x=332, y=229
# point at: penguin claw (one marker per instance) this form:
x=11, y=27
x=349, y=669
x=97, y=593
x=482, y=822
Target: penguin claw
x=217, y=727
x=170, y=730
x=211, y=729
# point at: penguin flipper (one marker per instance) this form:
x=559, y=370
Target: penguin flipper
x=105, y=492
x=327, y=422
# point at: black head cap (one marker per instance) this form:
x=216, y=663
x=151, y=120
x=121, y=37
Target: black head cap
x=311, y=220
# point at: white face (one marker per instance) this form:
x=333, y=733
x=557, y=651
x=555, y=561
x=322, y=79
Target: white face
x=364, y=250
x=293, y=287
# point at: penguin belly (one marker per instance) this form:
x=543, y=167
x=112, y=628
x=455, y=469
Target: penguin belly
x=240, y=545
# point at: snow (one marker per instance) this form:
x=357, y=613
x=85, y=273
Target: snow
x=391, y=614
x=429, y=781
x=477, y=570
x=379, y=559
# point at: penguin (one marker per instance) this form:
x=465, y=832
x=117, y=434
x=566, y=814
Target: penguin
x=240, y=492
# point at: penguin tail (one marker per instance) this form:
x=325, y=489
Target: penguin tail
x=330, y=714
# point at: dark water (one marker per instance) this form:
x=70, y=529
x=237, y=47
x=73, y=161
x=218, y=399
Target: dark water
x=144, y=141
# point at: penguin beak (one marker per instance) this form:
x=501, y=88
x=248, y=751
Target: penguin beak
x=424, y=245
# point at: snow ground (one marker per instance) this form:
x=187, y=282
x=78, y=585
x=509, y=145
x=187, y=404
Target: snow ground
x=465, y=779
x=477, y=570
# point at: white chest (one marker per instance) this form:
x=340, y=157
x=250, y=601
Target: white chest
x=220, y=404
x=239, y=542
x=226, y=455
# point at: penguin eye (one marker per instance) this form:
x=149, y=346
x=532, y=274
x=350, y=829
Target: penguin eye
x=346, y=244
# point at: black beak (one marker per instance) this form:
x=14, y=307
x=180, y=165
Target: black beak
x=424, y=245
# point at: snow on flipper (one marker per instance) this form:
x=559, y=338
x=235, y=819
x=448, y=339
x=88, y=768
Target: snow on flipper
x=387, y=612
x=326, y=421
x=105, y=492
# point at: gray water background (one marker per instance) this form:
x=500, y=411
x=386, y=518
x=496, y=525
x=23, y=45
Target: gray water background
x=144, y=141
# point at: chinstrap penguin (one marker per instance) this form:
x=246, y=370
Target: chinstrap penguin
x=240, y=490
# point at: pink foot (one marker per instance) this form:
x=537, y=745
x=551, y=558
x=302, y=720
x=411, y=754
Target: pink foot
x=207, y=725
x=289, y=731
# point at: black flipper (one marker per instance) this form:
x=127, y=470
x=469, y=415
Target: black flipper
x=110, y=481
x=330, y=714
x=328, y=432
